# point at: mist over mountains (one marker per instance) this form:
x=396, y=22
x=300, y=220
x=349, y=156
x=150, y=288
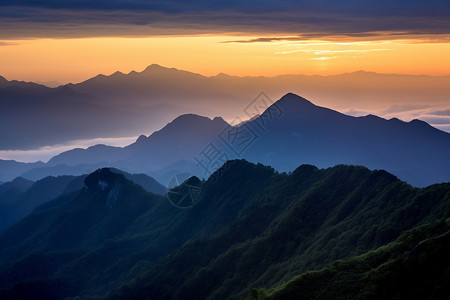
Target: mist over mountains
x=152, y=182
x=140, y=102
x=20, y=197
x=289, y=132
x=295, y=200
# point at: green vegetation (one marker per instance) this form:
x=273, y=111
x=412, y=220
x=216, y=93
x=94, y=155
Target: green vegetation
x=251, y=231
x=415, y=266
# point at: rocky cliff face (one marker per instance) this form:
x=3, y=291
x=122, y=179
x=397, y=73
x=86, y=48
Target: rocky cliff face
x=107, y=182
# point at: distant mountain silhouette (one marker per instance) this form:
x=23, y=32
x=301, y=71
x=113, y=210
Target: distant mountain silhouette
x=60, y=115
x=145, y=181
x=19, y=184
x=163, y=154
x=10, y=191
x=10, y=169
x=290, y=132
x=23, y=86
x=15, y=208
x=140, y=102
x=33, y=116
x=180, y=139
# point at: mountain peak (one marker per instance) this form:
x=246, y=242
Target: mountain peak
x=154, y=67
x=239, y=169
x=141, y=138
x=292, y=103
x=189, y=125
x=293, y=99
x=418, y=122
x=359, y=73
x=424, y=125
x=191, y=121
x=222, y=75
x=21, y=180
x=117, y=73
x=218, y=119
x=103, y=179
x=190, y=118
x=372, y=117
x=187, y=119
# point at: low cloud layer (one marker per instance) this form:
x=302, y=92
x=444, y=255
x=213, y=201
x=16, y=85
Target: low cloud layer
x=304, y=19
x=435, y=116
x=45, y=153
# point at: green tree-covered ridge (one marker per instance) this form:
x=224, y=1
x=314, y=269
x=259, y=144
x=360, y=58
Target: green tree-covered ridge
x=252, y=228
x=415, y=266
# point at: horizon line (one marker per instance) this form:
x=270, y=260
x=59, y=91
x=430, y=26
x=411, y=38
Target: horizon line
x=156, y=65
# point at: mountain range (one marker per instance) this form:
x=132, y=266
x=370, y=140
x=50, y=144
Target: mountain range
x=253, y=232
x=291, y=200
x=20, y=197
x=121, y=105
x=284, y=134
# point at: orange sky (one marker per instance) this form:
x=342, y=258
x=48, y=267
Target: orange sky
x=75, y=60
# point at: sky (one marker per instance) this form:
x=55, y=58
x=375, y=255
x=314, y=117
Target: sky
x=56, y=42
x=71, y=41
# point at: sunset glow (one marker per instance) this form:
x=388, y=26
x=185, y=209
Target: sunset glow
x=77, y=59
x=155, y=49
x=245, y=149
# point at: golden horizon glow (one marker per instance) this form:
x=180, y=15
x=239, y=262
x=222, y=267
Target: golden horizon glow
x=75, y=60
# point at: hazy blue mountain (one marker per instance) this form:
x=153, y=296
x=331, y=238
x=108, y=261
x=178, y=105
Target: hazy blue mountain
x=231, y=94
x=295, y=131
x=251, y=228
x=97, y=154
x=162, y=155
x=18, y=206
x=12, y=189
x=20, y=197
x=141, y=102
x=62, y=169
x=59, y=115
x=10, y=192
x=183, y=138
x=292, y=131
x=167, y=174
x=145, y=181
x=43, y=109
x=154, y=80
x=10, y=169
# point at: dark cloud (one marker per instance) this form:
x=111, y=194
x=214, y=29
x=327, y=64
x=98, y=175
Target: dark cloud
x=436, y=117
x=304, y=19
x=420, y=37
x=445, y=112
